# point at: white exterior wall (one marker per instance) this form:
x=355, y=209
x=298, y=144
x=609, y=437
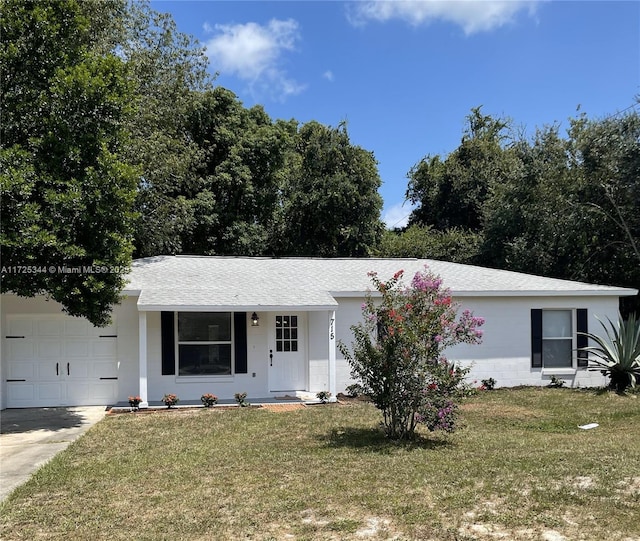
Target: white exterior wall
x=505, y=352
x=349, y=313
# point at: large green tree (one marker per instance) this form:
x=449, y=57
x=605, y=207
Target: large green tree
x=426, y=242
x=556, y=205
x=66, y=193
x=168, y=72
x=331, y=206
x=450, y=192
x=239, y=177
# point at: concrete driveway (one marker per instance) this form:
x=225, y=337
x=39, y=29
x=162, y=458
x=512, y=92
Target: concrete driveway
x=31, y=437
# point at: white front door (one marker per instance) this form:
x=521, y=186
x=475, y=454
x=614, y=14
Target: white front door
x=287, y=355
x=57, y=360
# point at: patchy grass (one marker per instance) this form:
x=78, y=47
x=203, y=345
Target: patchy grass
x=519, y=469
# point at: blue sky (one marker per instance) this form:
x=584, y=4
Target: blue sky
x=404, y=74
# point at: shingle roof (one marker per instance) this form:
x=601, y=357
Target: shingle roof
x=192, y=282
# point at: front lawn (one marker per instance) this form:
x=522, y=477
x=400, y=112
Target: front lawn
x=520, y=468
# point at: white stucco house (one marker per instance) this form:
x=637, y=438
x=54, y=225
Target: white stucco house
x=270, y=327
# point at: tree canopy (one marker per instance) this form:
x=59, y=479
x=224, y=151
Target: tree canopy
x=554, y=205
x=66, y=192
x=116, y=142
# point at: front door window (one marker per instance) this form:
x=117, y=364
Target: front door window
x=286, y=333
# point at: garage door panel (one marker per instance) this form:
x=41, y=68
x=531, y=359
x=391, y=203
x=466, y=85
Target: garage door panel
x=20, y=327
x=103, y=390
x=76, y=327
x=77, y=348
x=21, y=392
x=104, y=347
x=21, y=370
x=52, y=392
x=19, y=348
x=109, y=330
x=106, y=369
x=53, y=328
x=48, y=371
x=48, y=349
x=81, y=392
x=78, y=370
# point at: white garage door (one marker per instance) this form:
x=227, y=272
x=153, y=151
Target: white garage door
x=57, y=360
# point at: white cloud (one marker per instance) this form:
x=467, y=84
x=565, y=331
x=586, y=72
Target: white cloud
x=328, y=75
x=207, y=27
x=472, y=15
x=254, y=53
x=398, y=215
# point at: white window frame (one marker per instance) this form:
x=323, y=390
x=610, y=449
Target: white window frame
x=562, y=370
x=205, y=377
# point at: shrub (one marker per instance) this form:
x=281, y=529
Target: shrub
x=397, y=353
x=323, y=396
x=170, y=400
x=241, y=399
x=556, y=382
x=617, y=356
x=208, y=400
x=488, y=384
x=354, y=390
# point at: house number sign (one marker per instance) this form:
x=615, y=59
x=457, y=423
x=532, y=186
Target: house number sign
x=331, y=333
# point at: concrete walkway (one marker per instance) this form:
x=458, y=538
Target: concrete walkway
x=31, y=437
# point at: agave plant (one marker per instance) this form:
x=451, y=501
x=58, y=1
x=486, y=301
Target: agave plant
x=617, y=356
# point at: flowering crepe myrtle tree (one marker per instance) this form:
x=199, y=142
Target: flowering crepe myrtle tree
x=397, y=353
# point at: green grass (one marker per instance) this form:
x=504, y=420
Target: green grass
x=518, y=469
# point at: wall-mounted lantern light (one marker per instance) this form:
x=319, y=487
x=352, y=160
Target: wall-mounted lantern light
x=255, y=320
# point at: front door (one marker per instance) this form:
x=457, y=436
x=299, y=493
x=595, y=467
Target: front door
x=287, y=363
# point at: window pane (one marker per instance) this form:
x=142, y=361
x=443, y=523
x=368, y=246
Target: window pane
x=204, y=326
x=294, y=321
x=197, y=360
x=294, y=346
x=556, y=323
x=287, y=346
x=556, y=353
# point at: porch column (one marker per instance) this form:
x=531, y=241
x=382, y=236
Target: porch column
x=332, y=355
x=142, y=358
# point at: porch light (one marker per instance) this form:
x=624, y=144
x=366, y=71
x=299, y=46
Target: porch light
x=255, y=320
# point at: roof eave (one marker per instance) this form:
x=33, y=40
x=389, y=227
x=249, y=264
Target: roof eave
x=233, y=308
x=621, y=292
x=614, y=292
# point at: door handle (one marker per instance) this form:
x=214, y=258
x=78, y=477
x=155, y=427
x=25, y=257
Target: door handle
x=57, y=369
x=270, y=357
x=68, y=374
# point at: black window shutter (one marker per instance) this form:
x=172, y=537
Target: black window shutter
x=536, y=338
x=240, y=341
x=167, y=320
x=582, y=341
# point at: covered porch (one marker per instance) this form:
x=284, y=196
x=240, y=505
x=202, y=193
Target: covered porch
x=272, y=345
